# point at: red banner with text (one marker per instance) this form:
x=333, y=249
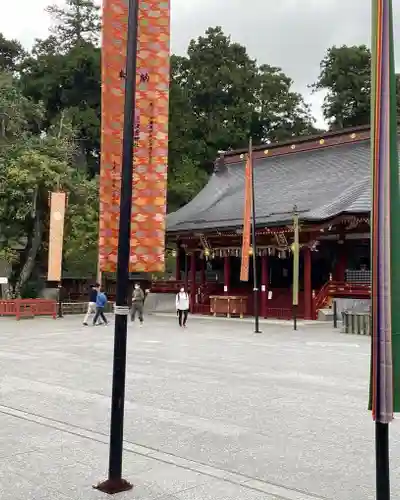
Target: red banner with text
x=151, y=133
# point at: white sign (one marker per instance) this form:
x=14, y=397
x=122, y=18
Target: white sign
x=3, y=281
x=263, y=288
x=270, y=295
x=225, y=289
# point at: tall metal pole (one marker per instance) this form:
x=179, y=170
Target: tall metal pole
x=98, y=271
x=115, y=483
x=60, y=311
x=296, y=252
x=382, y=461
x=254, y=244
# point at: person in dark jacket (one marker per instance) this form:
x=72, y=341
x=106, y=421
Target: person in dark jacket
x=138, y=297
x=101, y=301
x=94, y=289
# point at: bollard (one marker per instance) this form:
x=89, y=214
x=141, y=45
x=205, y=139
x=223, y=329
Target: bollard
x=346, y=321
x=365, y=323
x=334, y=314
x=356, y=323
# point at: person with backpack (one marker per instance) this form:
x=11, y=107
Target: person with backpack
x=182, y=307
x=138, y=297
x=101, y=302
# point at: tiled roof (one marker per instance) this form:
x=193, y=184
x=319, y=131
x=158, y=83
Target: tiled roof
x=322, y=183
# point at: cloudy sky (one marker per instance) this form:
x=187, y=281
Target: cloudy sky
x=292, y=34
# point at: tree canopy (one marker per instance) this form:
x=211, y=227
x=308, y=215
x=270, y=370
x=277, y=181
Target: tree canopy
x=346, y=77
x=76, y=23
x=32, y=164
x=219, y=97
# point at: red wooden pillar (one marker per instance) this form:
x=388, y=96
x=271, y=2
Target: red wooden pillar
x=203, y=271
x=227, y=274
x=308, y=308
x=178, y=264
x=264, y=285
x=341, y=265
x=192, y=281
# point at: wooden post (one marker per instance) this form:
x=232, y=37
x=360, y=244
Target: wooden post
x=340, y=271
x=264, y=285
x=227, y=274
x=307, y=284
x=192, y=281
x=178, y=264
x=203, y=271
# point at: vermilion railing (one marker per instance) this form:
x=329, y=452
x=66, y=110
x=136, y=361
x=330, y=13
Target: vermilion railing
x=280, y=313
x=322, y=296
x=340, y=289
x=28, y=308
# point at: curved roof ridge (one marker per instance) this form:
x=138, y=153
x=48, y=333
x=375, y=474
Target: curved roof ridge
x=215, y=188
x=322, y=182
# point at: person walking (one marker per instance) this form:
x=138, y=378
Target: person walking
x=92, y=302
x=138, y=297
x=182, y=307
x=101, y=301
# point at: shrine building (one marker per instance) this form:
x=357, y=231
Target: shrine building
x=327, y=178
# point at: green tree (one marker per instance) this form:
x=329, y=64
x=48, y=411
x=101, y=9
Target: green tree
x=11, y=54
x=69, y=83
x=77, y=22
x=184, y=182
x=220, y=96
x=280, y=113
x=63, y=72
x=81, y=228
x=32, y=164
x=221, y=80
x=346, y=77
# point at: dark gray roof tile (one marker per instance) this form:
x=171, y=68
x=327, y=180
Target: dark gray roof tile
x=322, y=183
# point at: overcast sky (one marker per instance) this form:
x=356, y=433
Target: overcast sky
x=292, y=34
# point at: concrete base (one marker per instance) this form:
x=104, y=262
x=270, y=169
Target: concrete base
x=325, y=315
x=355, y=305
x=111, y=487
x=160, y=303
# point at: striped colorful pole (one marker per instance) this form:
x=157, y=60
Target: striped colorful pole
x=385, y=241
x=296, y=258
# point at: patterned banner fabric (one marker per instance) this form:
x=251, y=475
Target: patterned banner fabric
x=385, y=235
x=244, y=268
x=151, y=133
x=56, y=235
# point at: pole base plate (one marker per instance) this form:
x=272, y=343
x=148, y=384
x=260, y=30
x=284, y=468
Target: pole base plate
x=113, y=486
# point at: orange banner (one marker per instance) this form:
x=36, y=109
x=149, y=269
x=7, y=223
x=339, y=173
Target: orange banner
x=151, y=133
x=56, y=235
x=244, y=268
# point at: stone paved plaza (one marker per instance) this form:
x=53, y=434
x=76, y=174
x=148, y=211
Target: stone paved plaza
x=212, y=413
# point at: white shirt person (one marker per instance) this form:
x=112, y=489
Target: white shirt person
x=182, y=302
